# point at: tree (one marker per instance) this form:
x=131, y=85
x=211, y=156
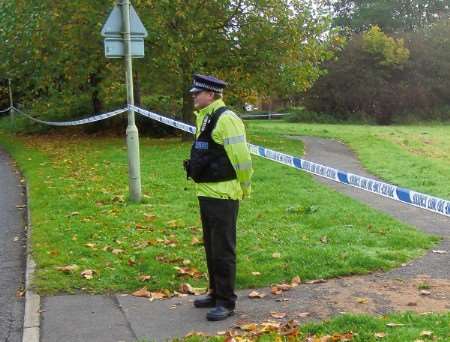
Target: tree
x=259, y=46
x=365, y=80
x=390, y=15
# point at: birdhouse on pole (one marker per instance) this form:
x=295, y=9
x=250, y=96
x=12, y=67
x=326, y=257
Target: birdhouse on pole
x=113, y=33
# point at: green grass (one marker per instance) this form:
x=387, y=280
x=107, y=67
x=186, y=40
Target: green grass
x=78, y=189
x=415, y=157
x=410, y=327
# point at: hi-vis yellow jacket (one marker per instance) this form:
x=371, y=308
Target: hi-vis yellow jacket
x=229, y=132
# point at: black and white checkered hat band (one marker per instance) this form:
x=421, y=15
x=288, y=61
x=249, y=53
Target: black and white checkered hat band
x=207, y=86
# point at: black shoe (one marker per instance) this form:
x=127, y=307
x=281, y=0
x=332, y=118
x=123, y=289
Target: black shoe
x=205, y=302
x=219, y=313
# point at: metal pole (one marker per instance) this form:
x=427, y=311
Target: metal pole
x=134, y=172
x=12, y=116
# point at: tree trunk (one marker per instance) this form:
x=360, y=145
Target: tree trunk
x=137, y=89
x=94, y=81
x=188, y=103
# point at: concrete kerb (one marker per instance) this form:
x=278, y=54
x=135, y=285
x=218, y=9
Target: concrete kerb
x=31, y=320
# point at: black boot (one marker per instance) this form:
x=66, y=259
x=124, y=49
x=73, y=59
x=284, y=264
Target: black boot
x=219, y=313
x=205, y=302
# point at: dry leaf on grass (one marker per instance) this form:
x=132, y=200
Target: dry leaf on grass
x=149, y=217
x=426, y=333
x=196, y=241
x=145, y=277
x=68, y=268
x=188, y=271
x=256, y=273
x=394, y=325
x=380, y=335
x=276, y=255
x=117, y=251
x=88, y=274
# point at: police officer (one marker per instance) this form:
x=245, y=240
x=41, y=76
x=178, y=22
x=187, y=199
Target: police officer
x=221, y=166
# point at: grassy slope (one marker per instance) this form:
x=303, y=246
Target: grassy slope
x=78, y=197
x=416, y=157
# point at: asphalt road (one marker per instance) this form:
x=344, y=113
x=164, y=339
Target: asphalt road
x=12, y=251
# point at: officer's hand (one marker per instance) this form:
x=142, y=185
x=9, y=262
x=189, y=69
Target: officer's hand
x=246, y=192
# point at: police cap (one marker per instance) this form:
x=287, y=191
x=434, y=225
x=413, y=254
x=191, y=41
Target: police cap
x=208, y=83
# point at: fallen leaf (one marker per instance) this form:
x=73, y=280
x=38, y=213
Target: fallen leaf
x=195, y=333
x=439, y=251
x=91, y=245
x=20, y=293
x=88, y=274
x=188, y=289
x=196, y=241
x=107, y=248
x=117, y=251
x=145, y=277
x=191, y=272
x=393, y=325
x=68, y=268
x=324, y=239
x=316, y=281
x=303, y=314
x=172, y=223
x=425, y=292
x=256, y=273
x=142, y=293
x=278, y=315
x=275, y=290
x=149, y=217
x=256, y=294
x=296, y=281
x=284, y=287
x=380, y=335
x=159, y=295
x=248, y=327
x=362, y=300
x=276, y=255
x=426, y=333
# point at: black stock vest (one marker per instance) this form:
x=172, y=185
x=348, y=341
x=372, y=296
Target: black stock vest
x=209, y=161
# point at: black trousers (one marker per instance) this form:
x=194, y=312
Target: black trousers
x=219, y=218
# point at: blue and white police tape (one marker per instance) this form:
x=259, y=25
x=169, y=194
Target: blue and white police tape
x=91, y=119
x=435, y=204
x=5, y=110
x=164, y=120
x=431, y=203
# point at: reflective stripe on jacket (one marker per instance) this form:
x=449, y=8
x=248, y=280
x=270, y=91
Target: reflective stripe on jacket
x=229, y=132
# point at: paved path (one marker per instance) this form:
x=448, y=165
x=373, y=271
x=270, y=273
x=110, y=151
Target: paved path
x=12, y=251
x=126, y=318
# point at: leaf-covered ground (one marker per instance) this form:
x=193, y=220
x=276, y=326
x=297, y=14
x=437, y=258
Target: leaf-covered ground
x=391, y=328
x=88, y=236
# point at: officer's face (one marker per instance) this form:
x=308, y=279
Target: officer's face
x=202, y=99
